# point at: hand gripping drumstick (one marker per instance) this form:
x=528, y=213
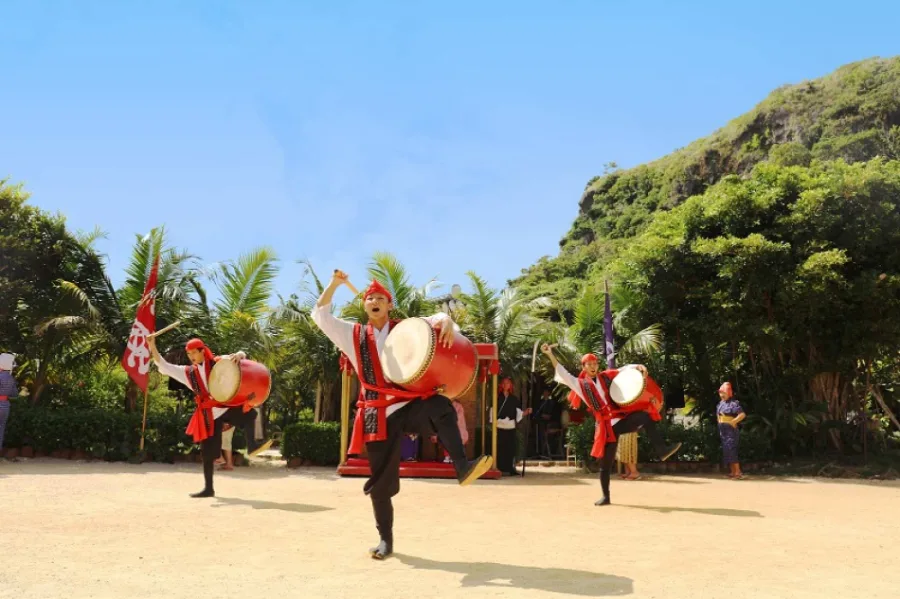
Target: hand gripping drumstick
x=164, y=330
x=350, y=286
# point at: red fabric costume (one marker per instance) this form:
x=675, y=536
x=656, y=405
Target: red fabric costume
x=371, y=414
x=605, y=412
x=202, y=423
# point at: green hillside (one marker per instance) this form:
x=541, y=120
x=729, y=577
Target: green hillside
x=852, y=114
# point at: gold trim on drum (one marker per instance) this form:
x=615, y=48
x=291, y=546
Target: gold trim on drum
x=432, y=347
x=474, y=375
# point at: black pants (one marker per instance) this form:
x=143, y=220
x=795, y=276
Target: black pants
x=507, y=440
x=631, y=423
x=211, y=447
x=422, y=417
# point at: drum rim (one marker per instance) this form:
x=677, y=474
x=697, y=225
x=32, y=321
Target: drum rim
x=426, y=363
x=637, y=395
x=474, y=375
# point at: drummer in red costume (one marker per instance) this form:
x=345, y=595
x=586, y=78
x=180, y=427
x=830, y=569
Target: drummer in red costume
x=206, y=424
x=592, y=387
x=386, y=412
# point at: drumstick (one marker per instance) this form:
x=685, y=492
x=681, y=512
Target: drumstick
x=350, y=285
x=164, y=330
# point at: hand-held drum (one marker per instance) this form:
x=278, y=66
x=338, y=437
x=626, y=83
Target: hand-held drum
x=627, y=390
x=414, y=359
x=237, y=383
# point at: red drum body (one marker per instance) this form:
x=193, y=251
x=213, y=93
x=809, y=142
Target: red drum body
x=415, y=360
x=238, y=383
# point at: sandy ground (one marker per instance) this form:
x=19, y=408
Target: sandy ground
x=70, y=529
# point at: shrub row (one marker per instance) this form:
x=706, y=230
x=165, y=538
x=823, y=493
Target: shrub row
x=319, y=443
x=97, y=432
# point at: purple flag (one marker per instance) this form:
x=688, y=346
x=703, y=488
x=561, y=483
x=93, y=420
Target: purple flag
x=608, y=332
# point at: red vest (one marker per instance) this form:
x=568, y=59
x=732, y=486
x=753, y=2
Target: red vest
x=371, y=414
x=202, y=423
x=602, y=411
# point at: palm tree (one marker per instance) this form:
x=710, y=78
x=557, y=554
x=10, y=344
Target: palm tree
x=409, y=301
x=586, y=334
x=92, y=319
x=506, y=319
x=319, y=366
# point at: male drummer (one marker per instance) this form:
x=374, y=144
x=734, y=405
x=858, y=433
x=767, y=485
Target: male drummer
x=209, y=417
x=386, y=412
x=593, y=390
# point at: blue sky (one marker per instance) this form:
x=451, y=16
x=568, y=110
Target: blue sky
x=457, y=135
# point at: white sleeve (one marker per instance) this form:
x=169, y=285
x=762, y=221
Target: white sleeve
x=561, y=375
x=440, y=316
x=173, y=371
x=339, y=331
x=519, y=414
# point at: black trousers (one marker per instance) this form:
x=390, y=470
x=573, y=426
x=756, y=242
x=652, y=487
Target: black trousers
x=422, y=417
x=507, y=440
x=631, y=423
x=211, y=447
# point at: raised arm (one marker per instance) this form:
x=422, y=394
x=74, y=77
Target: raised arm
x=563, y=376
x=339, y=331
x=170, y=370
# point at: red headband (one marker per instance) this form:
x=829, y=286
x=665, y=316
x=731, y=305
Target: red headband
x=377, y=287
x=198, y=344
x=726, y=387
x=588, y=358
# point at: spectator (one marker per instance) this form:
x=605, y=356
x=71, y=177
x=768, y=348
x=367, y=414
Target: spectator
x=8, y=390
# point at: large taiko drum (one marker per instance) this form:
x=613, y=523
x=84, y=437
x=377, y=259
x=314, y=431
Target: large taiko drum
x=627, y=390
x=237, y=383
x=413, y=358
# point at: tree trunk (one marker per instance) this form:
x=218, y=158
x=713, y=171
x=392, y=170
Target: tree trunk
x=318, y=411
x=132, y=392
x=826, y=387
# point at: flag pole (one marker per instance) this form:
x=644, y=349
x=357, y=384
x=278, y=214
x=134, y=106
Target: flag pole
x=144, y=422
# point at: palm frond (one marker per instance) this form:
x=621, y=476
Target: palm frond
x=645, y=342
x=246, y=286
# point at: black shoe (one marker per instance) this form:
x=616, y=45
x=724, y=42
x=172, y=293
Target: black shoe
x=383, y=550
x=668, y=453
x=474, y=470
x=204, y=493
x=603, y=501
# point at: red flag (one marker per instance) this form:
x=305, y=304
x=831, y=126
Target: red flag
x=136, y=360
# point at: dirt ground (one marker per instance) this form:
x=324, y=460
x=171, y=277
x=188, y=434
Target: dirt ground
x=76, y=529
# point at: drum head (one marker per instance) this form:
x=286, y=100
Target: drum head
x=224, y=380
x=408, y=350
x=627, y=386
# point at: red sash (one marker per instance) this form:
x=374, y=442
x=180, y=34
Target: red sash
x=371, y=413
x=202, y=424
x=602, y=412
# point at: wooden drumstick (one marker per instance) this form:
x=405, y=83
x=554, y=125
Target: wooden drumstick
x=350, y=285
x=164, y=330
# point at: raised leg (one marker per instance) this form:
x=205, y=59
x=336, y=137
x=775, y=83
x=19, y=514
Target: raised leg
x=438, y=412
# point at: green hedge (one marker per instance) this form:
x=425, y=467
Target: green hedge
x=320, y=443
x=100, y=433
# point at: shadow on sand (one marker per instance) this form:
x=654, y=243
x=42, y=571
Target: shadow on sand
x=302, y=508
x=556, y=580
x=706, y=511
